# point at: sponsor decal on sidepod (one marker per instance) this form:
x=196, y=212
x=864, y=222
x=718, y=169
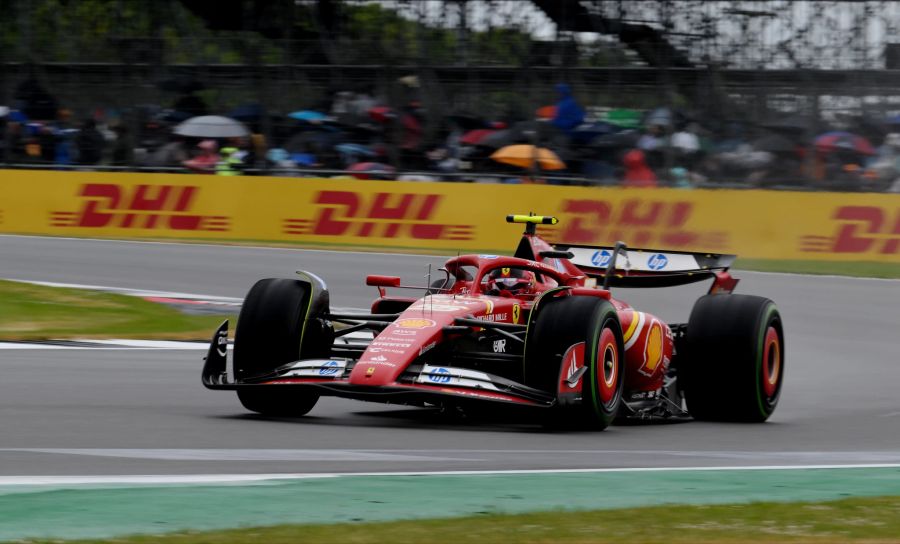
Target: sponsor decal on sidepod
x=439, y=375
x=329, y=369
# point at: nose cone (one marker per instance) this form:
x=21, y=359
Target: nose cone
x=395, y=348
x=419, y=329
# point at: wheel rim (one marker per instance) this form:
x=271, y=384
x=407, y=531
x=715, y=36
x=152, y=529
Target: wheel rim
x=771, y=367
x=608, y=369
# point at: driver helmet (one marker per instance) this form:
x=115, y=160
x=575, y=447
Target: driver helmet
x=514, y=280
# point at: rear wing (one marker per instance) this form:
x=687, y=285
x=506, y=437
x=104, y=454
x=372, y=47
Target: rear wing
x=652, y=267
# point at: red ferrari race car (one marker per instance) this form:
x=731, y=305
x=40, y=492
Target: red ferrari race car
x=539, y=330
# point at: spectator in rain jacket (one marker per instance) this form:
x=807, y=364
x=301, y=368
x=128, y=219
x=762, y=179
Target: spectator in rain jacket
x=568, y=113
x=231, y=161
x=205, y=162
x=637, y=173
x=89, y=143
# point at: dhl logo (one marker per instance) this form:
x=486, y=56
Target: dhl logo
x=643, y=222
x=381, y=215
x=140, y=207
x=860, y=229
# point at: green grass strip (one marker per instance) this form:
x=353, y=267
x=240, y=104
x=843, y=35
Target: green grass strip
x=866, y=269
x=867, y=520
x=34, y=312
x=405, y=503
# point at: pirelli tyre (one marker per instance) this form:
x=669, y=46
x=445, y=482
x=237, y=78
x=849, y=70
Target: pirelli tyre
x=558, y=325
x=279, y=324
x=733, y=367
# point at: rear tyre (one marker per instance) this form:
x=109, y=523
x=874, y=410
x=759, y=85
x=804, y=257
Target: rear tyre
x=274, y=329
x=559, y=324
x=734, y=362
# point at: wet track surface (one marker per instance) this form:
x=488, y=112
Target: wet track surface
x=119, y=412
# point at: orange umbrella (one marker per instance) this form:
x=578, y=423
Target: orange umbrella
x=546, y=112
x=524, y=155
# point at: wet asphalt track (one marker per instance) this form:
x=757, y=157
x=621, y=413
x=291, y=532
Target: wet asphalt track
x=145, y=412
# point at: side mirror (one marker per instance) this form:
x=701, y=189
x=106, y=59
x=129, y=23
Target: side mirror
x=383, y=281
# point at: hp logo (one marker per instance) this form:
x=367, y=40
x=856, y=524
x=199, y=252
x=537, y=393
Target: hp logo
x=657, y=261
x=329, y=368
x=440, y=375
x=601, y=258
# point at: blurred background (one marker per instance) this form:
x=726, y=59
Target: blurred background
x=774, y=94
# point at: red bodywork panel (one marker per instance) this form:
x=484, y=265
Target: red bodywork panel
x=419, y=329
x=648, y=340
x=648, y=350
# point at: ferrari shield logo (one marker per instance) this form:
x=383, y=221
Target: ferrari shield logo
x=505, y=271
x=516, y=312
x=414, y=323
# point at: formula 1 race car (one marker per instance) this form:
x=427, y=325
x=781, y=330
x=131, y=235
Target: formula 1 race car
x=538, y=330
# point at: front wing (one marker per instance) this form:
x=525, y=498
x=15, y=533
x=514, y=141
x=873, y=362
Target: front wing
x=419, y=384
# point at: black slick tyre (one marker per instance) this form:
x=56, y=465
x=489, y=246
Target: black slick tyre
x=733, y=365
x=274, y=329
x=559, y=324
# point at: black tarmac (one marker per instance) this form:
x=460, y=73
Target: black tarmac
x=115, y=412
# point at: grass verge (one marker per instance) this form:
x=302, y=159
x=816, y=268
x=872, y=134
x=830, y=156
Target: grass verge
x=866, y=269
x=870, y=520
x=33, y=312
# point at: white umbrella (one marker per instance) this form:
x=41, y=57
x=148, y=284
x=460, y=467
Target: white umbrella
x=211, y=126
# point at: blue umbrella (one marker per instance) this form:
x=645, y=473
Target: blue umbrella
x=309, y=116
x=173, y=116
x=247, y=113
x=304, y=159
x=588, y=131
x=355, y=149
x=660, y=116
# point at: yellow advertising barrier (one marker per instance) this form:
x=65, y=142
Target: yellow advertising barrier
x=447, y=216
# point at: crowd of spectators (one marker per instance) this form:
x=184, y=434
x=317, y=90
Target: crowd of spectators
x=358, y=134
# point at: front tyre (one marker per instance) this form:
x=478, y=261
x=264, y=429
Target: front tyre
x=275, y=328
x=557, y=328
x=277, y=401
x=733, y=367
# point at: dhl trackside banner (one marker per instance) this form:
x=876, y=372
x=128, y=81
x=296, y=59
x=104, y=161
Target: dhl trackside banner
x=447, y=216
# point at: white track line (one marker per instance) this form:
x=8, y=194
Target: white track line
x=132, y=292
x=250, y=478
x=255, y=454
x=109, y=345
x=143, y=293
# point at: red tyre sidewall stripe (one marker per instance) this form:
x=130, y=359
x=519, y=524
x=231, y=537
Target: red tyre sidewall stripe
x=771, y=372
x=607, y=344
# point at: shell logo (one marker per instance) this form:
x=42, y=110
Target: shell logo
x=650, y=335
x=654, y=349
x=415, y=323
